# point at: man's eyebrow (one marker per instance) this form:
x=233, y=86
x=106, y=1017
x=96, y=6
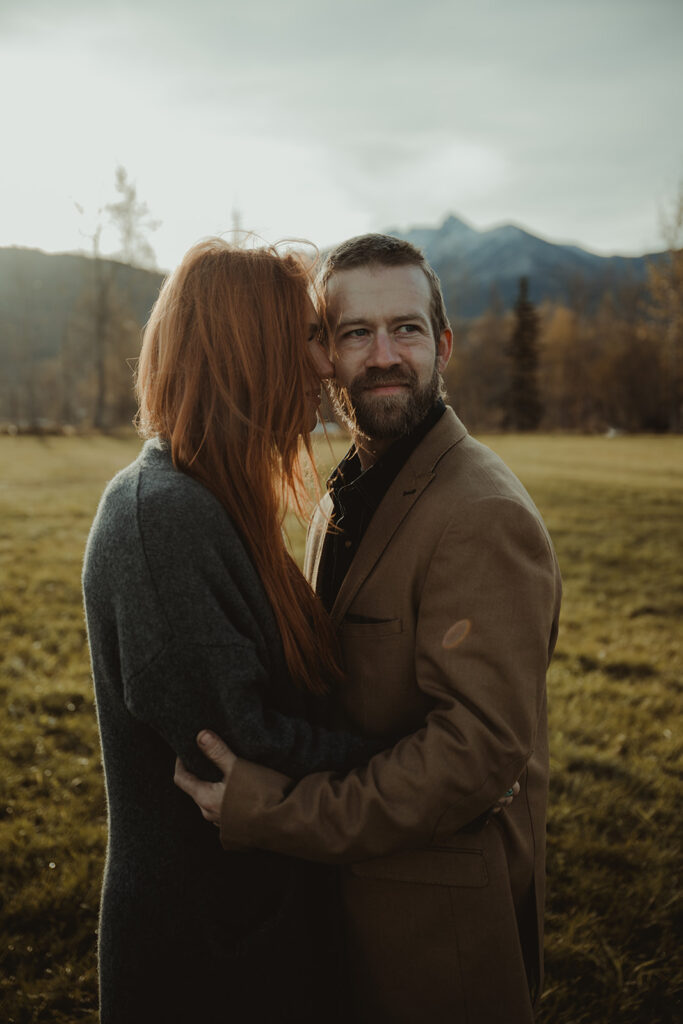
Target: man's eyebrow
x=346, y=321
x=405, y=317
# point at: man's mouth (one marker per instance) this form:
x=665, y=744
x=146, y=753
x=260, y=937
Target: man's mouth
x=386, y=389
x=385, y=384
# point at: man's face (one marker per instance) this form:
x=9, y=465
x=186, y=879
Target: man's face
x=387, y=363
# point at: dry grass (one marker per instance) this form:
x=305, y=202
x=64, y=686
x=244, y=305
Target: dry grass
x=614, y=509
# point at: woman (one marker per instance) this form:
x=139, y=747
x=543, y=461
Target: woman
x=197, y=617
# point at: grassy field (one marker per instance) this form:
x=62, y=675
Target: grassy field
x=615, y=510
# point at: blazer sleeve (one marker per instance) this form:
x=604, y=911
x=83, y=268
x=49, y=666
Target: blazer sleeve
x=495, y=569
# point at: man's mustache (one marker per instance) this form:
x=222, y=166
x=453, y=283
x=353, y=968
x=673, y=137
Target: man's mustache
x=383, y=378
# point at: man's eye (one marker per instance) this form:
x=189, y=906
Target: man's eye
x=357, y=332
x=408, y=329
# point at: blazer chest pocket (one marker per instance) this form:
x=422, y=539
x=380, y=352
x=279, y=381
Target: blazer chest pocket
x=370, y=629
x=434, y=866
x=380, y=693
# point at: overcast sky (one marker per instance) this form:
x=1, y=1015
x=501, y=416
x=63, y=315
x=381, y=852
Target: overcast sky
x=328, y=118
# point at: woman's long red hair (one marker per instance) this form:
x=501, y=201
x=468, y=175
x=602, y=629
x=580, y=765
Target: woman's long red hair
x=223, y=376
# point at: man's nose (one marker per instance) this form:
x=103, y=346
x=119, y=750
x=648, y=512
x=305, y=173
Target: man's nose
x=384, y=350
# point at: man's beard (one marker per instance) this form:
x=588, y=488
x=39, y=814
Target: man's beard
x=389, y=417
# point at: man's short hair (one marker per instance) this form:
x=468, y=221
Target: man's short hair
x=386, y=251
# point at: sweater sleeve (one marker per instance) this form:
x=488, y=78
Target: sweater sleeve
x=206, y=664
x=188, y=687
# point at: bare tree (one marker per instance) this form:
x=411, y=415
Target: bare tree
x=101, y=339
x=97, y=300
x=133, y=221
x=102, y=317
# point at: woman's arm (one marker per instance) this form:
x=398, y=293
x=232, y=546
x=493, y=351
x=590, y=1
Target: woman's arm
x=173, y=599
x=190, y=686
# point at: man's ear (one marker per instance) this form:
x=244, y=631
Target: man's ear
x=444, y=349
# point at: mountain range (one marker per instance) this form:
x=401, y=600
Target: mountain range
x=39, y=292
x=478, y=267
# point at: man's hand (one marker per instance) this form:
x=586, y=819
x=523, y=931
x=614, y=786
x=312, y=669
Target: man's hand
x=506, y=799
x=207, y=795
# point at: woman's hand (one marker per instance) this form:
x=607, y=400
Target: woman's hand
x=207, y=795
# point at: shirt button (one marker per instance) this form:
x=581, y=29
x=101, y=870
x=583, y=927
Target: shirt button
x=347, y=543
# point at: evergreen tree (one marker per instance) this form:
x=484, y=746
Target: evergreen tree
x=524, y=406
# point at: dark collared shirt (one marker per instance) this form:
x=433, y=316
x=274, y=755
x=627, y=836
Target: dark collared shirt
x=356, y=494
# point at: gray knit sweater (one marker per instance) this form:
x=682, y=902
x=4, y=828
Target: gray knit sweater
x=182, y=637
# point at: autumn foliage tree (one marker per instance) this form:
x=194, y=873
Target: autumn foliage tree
x=477, y=375
x=666, y=293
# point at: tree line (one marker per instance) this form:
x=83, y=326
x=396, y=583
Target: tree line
x=69, y=369
x=559, y=366
x=574, y=367
x=85, y=381
x=555, y=367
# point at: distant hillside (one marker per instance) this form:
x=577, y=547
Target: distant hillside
x=472, y=264
x=40, y=291
x=70, y=331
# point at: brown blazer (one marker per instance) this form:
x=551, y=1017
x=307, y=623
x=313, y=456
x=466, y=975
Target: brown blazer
x=443, y=910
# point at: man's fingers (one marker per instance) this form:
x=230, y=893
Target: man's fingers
x=207, y=795
x=183, y=779
x=506, y=799
x=214, y=748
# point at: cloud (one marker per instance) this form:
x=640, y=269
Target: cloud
x=561, y=116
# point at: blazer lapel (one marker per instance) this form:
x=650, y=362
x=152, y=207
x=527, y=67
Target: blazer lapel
x=404, y=493
x=316, y=539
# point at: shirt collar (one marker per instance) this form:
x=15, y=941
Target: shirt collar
x=371, y=484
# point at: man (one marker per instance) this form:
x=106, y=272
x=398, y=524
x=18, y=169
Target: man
x=443, y=585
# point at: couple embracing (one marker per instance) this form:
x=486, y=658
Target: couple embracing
x=373, y=737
